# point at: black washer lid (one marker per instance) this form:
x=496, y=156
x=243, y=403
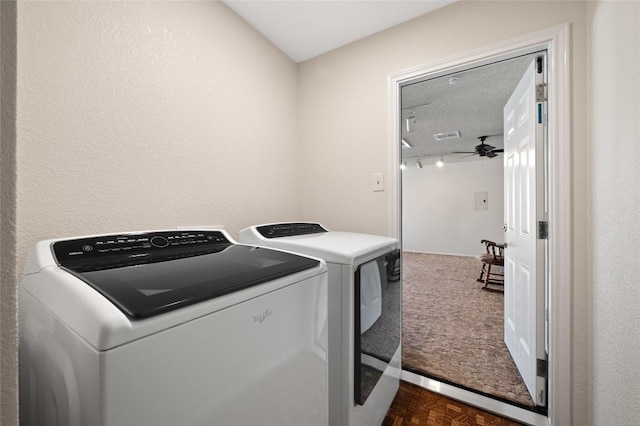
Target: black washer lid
x=146, y=274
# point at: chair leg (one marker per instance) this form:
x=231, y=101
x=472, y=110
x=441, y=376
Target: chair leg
x=486, y=277
x=482, y=272
x=488, y=281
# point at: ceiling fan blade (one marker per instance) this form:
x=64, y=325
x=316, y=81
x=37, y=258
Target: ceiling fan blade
x=498, y=150
x=491, y=154
x=464, y=152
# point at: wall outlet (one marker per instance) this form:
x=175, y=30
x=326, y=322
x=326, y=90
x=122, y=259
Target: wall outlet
x=378, y=182
x=481, y=201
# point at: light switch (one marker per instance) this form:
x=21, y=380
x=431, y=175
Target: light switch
x=378, y=182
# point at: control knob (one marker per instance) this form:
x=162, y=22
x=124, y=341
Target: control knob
x=159, y=241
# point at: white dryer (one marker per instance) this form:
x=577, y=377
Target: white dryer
x=365, y=293
x=172, y=328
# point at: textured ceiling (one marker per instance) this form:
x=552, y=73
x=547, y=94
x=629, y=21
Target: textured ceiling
x=473, y=106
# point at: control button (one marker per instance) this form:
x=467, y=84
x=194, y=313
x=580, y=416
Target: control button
x=159, y=241
x=87, y=247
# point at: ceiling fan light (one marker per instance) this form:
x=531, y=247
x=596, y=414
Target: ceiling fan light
x=440, y=162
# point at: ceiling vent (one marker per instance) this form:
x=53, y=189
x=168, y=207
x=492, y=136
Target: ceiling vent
x=447, y=135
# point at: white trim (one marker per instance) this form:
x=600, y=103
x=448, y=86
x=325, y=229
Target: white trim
x=557, y=43
x=472, y=256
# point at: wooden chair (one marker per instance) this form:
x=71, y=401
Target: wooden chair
x=492, y=265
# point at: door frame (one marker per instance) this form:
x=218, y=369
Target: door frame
x=556, y=41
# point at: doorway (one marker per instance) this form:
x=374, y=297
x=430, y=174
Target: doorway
x=556, y=42
x=452, y=199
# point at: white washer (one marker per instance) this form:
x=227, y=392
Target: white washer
x=365, y=293
x=172, y=328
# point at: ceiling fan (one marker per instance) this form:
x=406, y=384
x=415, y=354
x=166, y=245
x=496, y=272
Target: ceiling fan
x=483, y=150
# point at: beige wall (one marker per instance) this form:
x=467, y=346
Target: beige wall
x=147, y=115
x=122, y=93
x=344, y=122
x=614, y=191
x=8, y=303
x=344, y=98
x=143, y=115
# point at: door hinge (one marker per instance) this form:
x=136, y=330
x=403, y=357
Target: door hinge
x=541, y=92
x=541, y=368
x=543, y=230
x=540, y=64
x=542, y=400
x=542, y=374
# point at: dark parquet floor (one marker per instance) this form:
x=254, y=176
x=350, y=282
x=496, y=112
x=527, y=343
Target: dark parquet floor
x=416, y=406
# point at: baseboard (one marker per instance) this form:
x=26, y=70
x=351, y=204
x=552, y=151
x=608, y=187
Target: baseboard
x=441, y=254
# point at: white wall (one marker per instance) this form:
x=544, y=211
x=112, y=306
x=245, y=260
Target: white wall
x=614, y=156
x=438, y=210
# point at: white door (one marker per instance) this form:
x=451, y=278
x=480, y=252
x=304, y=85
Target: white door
x=524, y=294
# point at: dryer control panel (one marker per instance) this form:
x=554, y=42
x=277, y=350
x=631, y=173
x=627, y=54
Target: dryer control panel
x=278, y=230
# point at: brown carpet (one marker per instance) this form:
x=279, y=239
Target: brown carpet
x=453, y=330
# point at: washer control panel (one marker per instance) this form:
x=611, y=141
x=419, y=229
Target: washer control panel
x=278, y=230
x=131, y=245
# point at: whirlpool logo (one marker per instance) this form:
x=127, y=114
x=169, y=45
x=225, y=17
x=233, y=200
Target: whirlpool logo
x=263, y=316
